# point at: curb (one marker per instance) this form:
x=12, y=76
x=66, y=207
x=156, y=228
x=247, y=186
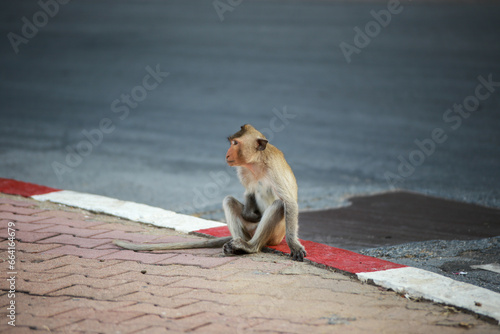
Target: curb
x=412, y=282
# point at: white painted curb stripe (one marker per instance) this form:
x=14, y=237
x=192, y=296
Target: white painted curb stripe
x=129, y=210
x=419, y=283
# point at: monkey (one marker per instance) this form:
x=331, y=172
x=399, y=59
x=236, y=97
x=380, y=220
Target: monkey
x=270, y=210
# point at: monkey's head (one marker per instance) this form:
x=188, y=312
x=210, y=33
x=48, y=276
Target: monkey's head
x=246, y=146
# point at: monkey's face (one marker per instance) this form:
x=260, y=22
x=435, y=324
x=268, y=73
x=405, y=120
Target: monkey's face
x=234, y=156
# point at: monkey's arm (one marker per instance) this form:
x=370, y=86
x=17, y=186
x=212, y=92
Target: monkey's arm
x=286, y=190
x=297, y=251
x=251, y=211
x=210, y=243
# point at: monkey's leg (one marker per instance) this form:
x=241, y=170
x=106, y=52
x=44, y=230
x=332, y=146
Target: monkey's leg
x=270, y=231
x=238, y=226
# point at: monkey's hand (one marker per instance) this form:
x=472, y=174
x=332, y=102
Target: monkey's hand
x=297, y=252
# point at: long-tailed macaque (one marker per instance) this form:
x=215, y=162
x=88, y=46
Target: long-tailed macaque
x=270, y=211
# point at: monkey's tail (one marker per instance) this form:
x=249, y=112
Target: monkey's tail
x=210, y=243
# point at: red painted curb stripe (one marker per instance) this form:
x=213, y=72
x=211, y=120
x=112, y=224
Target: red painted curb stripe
x=218, y=232
x=330, y=256
x=13, y=187
x=338, y=258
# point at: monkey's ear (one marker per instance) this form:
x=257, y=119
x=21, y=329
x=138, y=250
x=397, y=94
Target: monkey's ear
x=262, y=143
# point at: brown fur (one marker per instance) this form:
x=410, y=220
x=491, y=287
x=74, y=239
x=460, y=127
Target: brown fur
x=271, y=190
x=270, y=211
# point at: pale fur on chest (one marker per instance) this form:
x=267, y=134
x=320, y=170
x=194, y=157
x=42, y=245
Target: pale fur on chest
x=261, y=187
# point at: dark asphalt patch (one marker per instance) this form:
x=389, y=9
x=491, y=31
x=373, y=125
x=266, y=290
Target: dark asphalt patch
x=397, y=218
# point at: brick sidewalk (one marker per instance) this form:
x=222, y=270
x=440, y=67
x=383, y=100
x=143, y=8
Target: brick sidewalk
x=71, y=278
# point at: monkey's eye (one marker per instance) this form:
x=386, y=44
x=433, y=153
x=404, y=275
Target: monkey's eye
x=234, y=142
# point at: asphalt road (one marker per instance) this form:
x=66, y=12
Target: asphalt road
x=134, y=99
x=347, y=122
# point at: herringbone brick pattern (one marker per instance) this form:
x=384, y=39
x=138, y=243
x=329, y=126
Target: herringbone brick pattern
x=70, y=278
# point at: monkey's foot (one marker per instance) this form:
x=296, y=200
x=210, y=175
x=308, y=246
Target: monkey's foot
x=298, y=253
x=234, y=247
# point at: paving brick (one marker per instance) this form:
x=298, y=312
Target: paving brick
x=137, y=256
x=146, y=278
x=189, y=271
x=20, y=210
x=89, y=281
x=3, y=239
x=109, y=246
x=195, y=324
x=84, y=291
x=289, y=327
x=120, y=227
x=77, y=232
x=48, y=306
x=217, y=328
x=41, y=277
x=34, y=236
x=34, y=257
x=162, y=301
x=102, y=316
x=95, y=326
x=96, y=264
x=44, y=262
x=99, y=305
x=39, y=323
x=70, y=222
x=25, y=301
x=14, y=202
x=201, y=261
x=67, y=239
x=28, y=227
x=200, y=307
x=121, y=235
x=40, y=288
x=124, y=266
x=62, y=214
x=20, y=218
x=136, y=267
x=110, y=271
x=19, y=329
x=244, y=263
x=26, y=247
x=155, y=320
x=58, y=260
x=240, y=301
x=212, y=285
x=150, y=309
x=163, y=291
x=157, y=330
x=81, y=252
x=25, y=262
x=198, y=320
